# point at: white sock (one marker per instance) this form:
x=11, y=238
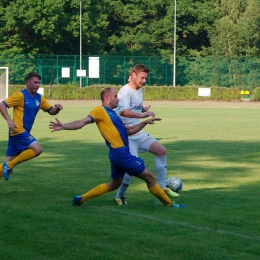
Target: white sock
x=124, y=186
x=161, y=168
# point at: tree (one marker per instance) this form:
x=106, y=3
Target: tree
x=248, y=29
x=236, y=32
x=194, y=21
x=46, y=26
x=147, y=27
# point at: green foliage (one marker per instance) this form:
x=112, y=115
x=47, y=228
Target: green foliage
x=189, y=93
x=44, y=26
x=147, y=27
x=137, y=28
x=256, y=94
x=71, y=92
x=236, y=31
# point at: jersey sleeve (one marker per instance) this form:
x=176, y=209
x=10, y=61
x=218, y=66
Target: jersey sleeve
x=124, y=100
x=45, y=105
x=97, y=114
x=14, y=100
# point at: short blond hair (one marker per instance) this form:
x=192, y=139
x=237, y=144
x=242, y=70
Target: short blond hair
x=139, y=68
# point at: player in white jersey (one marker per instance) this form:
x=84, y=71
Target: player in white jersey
x=131, y=109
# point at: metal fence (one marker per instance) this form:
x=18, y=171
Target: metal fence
x=239, y=72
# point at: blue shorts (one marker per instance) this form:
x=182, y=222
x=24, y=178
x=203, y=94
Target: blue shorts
x=122, y=161
x=19, y=143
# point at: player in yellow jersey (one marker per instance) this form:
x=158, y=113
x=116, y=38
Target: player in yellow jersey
x=22, y=146
x=115, y=134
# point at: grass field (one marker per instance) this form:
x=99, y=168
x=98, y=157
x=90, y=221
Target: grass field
x=214, y=147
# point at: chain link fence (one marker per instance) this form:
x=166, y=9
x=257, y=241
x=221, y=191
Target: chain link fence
x=236, y=72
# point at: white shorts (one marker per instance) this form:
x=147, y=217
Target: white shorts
x=140, y=143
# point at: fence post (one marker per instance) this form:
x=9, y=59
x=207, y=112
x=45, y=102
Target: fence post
x=104, y=71
x=57, y=70
x=125, y=76
x=166, y=72
x=246, y=73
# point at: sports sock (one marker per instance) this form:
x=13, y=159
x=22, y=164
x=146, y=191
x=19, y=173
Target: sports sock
x=124, y=186
x=161, y=168
x=97, y=191
x=160, y=194
x=22, y=157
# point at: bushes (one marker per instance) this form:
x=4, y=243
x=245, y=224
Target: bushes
x=189, y=93
x=256, y=94
x=71, y=92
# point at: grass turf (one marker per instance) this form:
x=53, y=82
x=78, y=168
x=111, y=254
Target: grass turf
x=212, y=146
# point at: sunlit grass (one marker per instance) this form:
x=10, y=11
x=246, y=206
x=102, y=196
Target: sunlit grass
x=214, y=147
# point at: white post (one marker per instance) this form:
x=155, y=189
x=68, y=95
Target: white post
x=80, y=41
x=174, y=47
x=4, y=87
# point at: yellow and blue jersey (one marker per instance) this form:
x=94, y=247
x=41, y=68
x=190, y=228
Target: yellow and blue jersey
x=25, y=109
x=110, y=126
x=114, y=132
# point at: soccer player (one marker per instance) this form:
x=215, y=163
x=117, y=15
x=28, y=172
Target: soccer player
x=131, y=109
x=22, y=146
x=115, y=134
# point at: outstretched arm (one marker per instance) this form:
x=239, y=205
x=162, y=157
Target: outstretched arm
x=75, y=125
x=136, y=128
x=129, y=113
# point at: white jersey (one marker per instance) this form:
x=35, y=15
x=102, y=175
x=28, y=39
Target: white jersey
x=130, y=99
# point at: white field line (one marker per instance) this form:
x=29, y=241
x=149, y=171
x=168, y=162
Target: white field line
x=165, y=221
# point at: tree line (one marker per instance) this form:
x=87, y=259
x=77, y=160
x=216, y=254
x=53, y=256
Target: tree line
x=131, y=27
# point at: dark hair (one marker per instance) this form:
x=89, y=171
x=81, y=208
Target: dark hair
x=32, y=75
x=104, y=92
x=139, y=68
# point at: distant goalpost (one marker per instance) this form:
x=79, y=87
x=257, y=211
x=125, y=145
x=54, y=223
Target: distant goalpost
x=4, y=77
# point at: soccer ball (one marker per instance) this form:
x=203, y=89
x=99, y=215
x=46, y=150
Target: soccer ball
x=174, y=183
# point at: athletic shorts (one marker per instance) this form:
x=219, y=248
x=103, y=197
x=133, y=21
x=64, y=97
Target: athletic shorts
x=140, y=143
x=122, y=161
x=19, y=143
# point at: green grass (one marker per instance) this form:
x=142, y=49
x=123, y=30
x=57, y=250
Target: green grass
x=214, y=147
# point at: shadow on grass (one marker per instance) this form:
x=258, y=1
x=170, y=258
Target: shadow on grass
x=221, y=195
x=206, y=161
x=74, y=167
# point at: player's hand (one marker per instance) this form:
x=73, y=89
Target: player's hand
x=146, y=114
x=58, y=106
x=151, y=120
x=55, y=126
x=146, y=108
x=11, y=124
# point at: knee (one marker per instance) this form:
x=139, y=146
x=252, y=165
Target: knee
x=164, y=151
x=161, y=152
x=150, y=177
x=38, y=151
x=158, y=149
x=151, y=181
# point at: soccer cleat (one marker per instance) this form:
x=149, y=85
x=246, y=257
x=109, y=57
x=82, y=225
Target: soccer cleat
x=120, y=200
x=176, y=205
x=77, y=201
x=6, y=171
x=171, y=193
